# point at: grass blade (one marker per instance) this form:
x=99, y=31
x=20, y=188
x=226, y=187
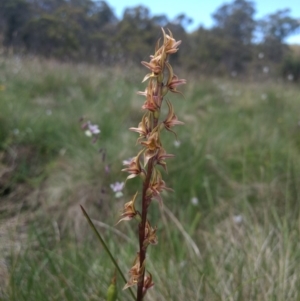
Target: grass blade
x=106, y=249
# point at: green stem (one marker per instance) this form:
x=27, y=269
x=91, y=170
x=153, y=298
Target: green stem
x=106, y=249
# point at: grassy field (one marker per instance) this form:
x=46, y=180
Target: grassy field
x=231, y=229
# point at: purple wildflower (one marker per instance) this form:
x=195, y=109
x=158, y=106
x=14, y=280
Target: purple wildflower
x=118, y=186
x=93, y=128
x=127, y=161
x=117, y=189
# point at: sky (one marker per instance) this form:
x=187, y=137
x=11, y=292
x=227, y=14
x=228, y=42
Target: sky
x=201, y=11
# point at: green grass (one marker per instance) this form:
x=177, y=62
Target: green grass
x=239, y=155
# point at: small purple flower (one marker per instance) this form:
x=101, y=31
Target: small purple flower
x=127, y=161
x=93, y=128
x=118, y=186
x=117, y=189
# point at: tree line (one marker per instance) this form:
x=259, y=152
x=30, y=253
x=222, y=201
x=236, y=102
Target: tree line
x=86, y=30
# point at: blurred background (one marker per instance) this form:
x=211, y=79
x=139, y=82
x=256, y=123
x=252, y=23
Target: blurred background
x=239, y=37
x=231, y=228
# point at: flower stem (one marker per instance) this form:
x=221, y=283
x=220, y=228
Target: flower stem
x=145, y=204
x=142, y=226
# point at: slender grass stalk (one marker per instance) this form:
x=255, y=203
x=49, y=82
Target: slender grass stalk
x=106, y=248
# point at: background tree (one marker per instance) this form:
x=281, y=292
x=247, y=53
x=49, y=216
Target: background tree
x=135, y=32
x=234, y=27
x=88, y=30
x=14, y=15
x=275, y=28
x=69, y=29
x=205, y=52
